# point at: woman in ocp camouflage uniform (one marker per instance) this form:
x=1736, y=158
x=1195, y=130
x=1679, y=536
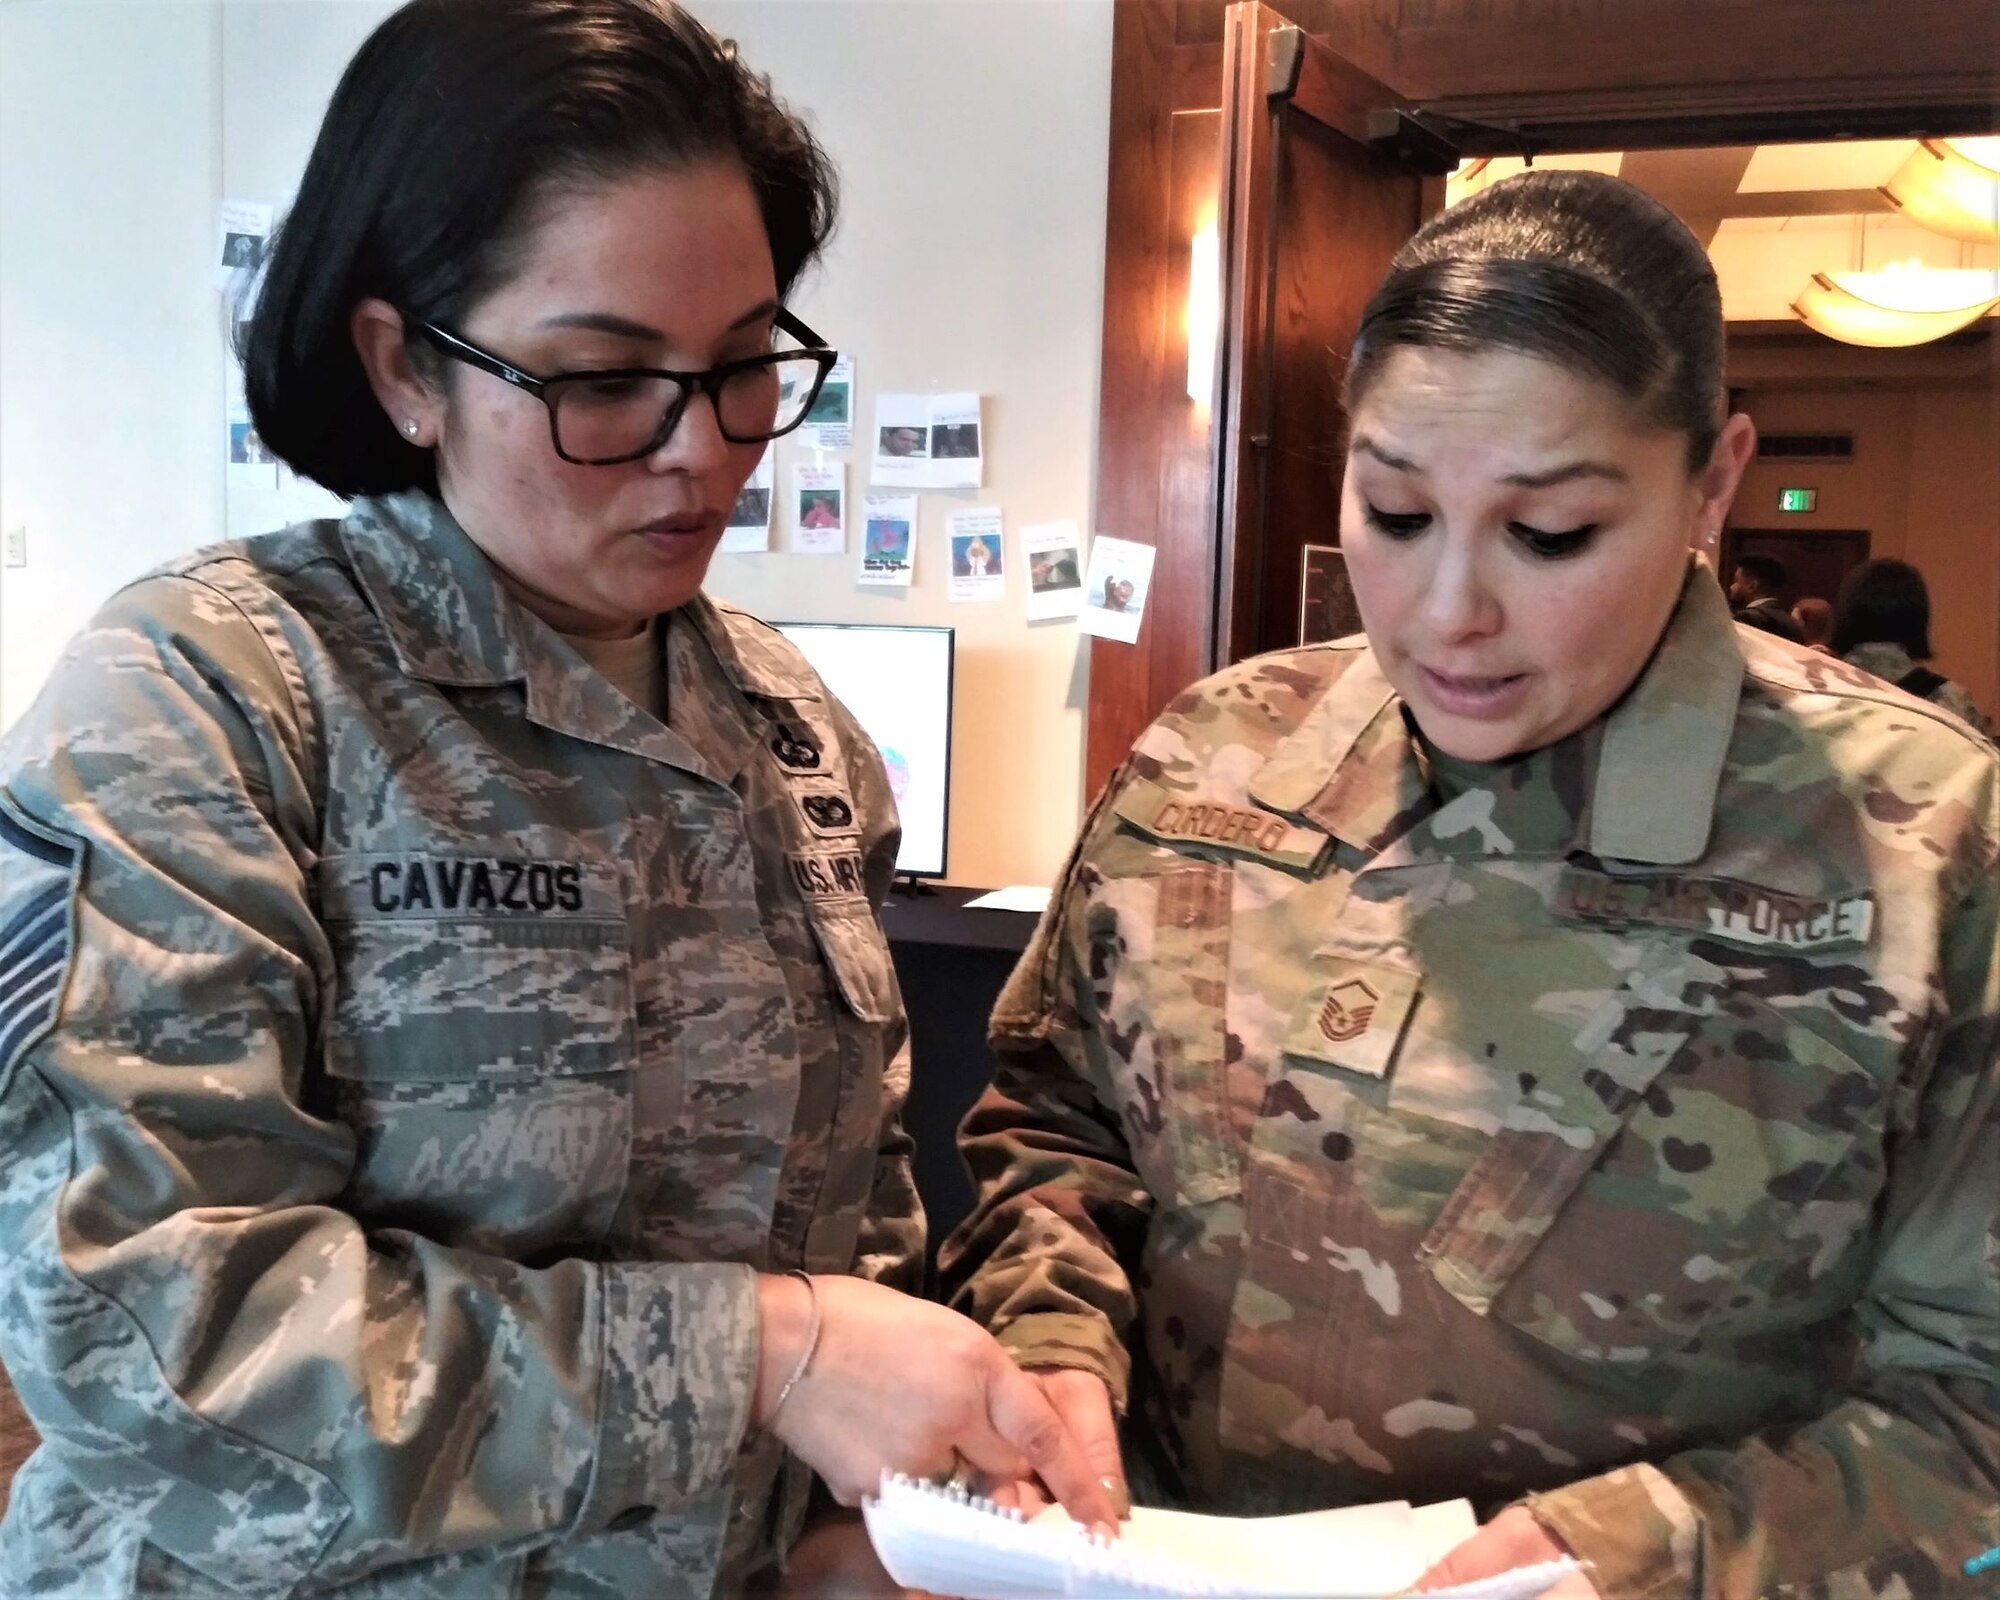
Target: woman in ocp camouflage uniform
x=1543, y=1050
x=449, y=1064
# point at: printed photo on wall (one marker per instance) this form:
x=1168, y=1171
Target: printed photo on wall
x=819, y=523
x=1054, y=554
x=244, y=228
x=749, y=528
x=830, y=423
x=1326, y=597
x=1115, y=587
x=977, y=554
x=927, y=441
x=888, y=538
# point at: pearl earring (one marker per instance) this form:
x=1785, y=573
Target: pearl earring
x=410, y=428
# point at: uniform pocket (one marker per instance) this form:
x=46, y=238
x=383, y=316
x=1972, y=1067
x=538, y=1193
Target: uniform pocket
x=479, y=999
x=1719, y=1185
x=856, y=952
x=1165, y=940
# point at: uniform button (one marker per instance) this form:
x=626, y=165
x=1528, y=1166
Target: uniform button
x=631, y=1518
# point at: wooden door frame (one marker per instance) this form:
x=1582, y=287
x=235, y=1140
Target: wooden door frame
x=1483, y=73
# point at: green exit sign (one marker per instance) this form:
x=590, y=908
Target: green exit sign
x=1797, y=499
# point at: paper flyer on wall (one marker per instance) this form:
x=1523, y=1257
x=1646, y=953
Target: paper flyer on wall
x=928, y=441
x=819, y=509
x=830, y=423
x=250, y=465
x=245, y=231
x=888, y=539
x=749, y=527
x=978, y=554
x=1115, y=587
x=1053, y=555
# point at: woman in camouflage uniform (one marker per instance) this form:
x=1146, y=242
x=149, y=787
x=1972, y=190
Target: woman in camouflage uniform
x=449, y=1063
x=1543, y=1050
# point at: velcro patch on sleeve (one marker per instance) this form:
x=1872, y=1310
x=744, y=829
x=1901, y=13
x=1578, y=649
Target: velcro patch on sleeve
x=1174, y=818
x=1353, y=1016
x=1740, y=913
x=39, y=874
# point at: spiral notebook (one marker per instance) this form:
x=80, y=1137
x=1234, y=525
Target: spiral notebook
x=953, y=1543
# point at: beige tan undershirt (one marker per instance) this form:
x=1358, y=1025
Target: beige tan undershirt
x=635, y=667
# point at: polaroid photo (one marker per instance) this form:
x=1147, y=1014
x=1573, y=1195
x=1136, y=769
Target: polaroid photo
x=1053, y=555
x=1115, y=588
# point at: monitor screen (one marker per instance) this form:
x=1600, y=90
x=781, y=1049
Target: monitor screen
x=897, y=682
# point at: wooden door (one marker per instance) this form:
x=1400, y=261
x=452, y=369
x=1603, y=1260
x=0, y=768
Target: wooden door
x=1325, y=182
x=1313, y=175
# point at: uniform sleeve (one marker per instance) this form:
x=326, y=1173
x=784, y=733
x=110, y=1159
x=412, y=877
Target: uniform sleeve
x=891, y=1246
x=1044, y=1258
x=1897, y=1484
x=208, y=1342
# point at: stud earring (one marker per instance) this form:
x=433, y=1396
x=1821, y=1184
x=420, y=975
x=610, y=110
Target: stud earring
x=410, y=428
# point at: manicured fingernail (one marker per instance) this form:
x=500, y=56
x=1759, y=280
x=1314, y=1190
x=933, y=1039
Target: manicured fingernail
x=1121, y=1499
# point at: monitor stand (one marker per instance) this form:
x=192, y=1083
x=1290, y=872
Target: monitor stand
x=912, y=885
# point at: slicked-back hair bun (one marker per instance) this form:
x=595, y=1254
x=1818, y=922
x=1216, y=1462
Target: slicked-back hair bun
x=1577, y=268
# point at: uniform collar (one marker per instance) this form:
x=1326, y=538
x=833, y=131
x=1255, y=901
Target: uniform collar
x=452, y=622
x=1652, y=767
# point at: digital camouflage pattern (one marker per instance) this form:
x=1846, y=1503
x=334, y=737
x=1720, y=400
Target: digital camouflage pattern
x=1613, y=1127
x=420, y=1049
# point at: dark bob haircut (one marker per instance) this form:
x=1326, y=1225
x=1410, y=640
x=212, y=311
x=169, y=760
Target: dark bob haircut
x=449, y=125
x=1576, y=268
x=1883, y=602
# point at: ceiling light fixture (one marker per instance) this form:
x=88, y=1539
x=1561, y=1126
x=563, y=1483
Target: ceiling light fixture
x=1951, y=186
x=1905, y=305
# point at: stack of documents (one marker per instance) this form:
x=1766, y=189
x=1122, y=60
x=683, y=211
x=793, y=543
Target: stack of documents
x=954, y=1543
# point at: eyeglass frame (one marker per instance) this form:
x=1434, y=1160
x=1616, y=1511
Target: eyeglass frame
x=708, y=381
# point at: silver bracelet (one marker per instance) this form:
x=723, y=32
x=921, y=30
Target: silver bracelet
x=812, y=1344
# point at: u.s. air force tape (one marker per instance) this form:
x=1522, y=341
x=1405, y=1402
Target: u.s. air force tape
x=360, y=888
x=1741, y=913
x=1219, y=825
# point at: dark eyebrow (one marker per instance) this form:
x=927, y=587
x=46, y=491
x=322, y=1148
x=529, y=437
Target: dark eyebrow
x=1365, y=445
x=625, y=328
x=1569, y=472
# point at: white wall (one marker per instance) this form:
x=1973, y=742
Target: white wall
x=971, y=137
x=111, y=352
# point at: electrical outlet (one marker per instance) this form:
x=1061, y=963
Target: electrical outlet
x=17, y=547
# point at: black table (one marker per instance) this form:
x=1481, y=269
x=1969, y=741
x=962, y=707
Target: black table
x=952, y=964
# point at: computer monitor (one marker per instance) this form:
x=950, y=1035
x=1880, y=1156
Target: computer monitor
x=897, y=682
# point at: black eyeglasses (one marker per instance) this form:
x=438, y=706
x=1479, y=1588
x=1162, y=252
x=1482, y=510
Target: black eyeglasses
x=603, y=417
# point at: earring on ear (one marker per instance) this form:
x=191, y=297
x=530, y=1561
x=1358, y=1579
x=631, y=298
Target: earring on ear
x=410, y=427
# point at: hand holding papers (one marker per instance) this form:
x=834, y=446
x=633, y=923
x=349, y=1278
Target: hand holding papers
x=952, y=1543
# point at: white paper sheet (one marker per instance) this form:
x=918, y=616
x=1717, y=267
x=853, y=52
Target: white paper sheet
x=749, y=527
x=1053, y=554
x=1015, y=897
x=954, y=1544
x=888, y=539
x=830, y=423
x=978, y=554
x=819, y=509
x=928, y=441
x=1116, y=587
